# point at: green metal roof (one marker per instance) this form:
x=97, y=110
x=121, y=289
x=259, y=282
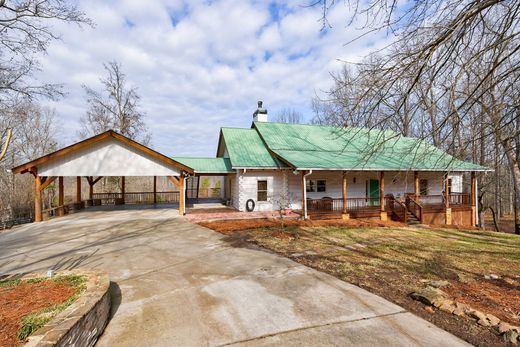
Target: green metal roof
x=206, y=165
x=247, y=150
x=326, y=147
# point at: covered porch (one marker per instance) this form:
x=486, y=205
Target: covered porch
x=424, y=197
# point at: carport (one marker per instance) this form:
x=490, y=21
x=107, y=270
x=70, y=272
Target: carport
x=108, y=154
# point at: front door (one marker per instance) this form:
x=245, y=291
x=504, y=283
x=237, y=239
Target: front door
x=373, y=192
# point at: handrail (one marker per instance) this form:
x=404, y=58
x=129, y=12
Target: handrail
x=414, y=207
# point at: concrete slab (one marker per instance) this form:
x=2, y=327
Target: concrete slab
x=178, y=284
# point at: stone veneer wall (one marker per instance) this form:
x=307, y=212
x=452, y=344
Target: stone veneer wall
x=81, y=323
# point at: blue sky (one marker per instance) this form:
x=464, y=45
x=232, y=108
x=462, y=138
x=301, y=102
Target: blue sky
x=201, y=65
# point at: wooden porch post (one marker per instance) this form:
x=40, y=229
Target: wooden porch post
x=473, y=200
x=416, y=184
x=382, y=195
x=447, y=200
x=304, y=212
x=78, y=188
x=344, y=195
x=60, y=191
x=154, y=189
x=123, y=188
x=182, y=191
x=37, y=198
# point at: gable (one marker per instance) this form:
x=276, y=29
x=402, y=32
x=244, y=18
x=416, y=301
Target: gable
x=108, y=157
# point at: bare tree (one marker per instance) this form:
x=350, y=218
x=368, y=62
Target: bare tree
x=5, y=144
x=451, y=76
x=289, y=115
x=25, y=32
x=117, y=107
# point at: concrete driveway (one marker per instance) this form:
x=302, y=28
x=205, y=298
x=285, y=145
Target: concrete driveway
x=178, y=284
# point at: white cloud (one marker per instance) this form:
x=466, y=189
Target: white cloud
x=200, y=65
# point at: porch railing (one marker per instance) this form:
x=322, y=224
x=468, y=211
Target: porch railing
x=396, y=208
x=414, y=207
x=137, y=197
x=455, y=199
x=336, y=204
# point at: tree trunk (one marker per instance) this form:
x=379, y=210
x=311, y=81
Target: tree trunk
x=513, y=163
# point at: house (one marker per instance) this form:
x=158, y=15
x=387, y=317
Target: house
x=352, y=172
x=316, y=170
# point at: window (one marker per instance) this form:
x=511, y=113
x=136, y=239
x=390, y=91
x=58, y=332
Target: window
x=261, y=191
x=316, y=186
x=423, y=187
x=450, y=185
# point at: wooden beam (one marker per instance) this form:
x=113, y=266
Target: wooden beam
x=174, y=180
x=182, y=203
x=382, y=190
x=302, y=183
x=154, y=189
x=123, y=188
x=416, y=185
x=37, y=199
x=78, y=189
x=60, y=191
x=91, y=188
x=446, y=191
x=344, y=192
x=96, y=180
x=48, y=180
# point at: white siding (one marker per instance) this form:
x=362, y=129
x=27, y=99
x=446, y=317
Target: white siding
x=244, y=185
x=107, y=158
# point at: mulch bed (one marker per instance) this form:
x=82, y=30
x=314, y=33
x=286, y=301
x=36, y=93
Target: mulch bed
x=500, y=297
x=25, y=298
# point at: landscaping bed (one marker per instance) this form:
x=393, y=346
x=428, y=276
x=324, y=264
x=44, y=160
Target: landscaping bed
x=482, y=269
x=28, y=304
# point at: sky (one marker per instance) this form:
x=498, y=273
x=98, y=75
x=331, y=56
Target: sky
x=202, y=65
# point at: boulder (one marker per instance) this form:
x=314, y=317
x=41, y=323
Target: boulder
x=491, y=277
x=430, y=296
x=447, y=306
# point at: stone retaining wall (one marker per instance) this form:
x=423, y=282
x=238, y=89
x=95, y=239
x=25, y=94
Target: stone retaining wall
x=81, y=323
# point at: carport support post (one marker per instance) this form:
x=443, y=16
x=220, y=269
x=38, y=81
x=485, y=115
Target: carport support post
x=382, y=195
x=123, y=188
x=154, y=189
x=182, y=191
x=60, y=191
x=37, y=198
x=78, y=188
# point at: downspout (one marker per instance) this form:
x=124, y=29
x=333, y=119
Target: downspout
x=305, y=194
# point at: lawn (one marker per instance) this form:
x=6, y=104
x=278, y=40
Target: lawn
x=28, y=304
x=395, y=261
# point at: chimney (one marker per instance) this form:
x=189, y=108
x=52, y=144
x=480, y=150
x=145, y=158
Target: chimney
x=260, y=115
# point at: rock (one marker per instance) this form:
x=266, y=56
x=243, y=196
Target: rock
x=429, y=309
x=510, y=336
x=484, y=322
x=476, y=314
x=430, y=296
x=491, y=277
x=503, y=327
x=493, y=320
x=439, y=284
x=447, y=306
x=458, y=311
